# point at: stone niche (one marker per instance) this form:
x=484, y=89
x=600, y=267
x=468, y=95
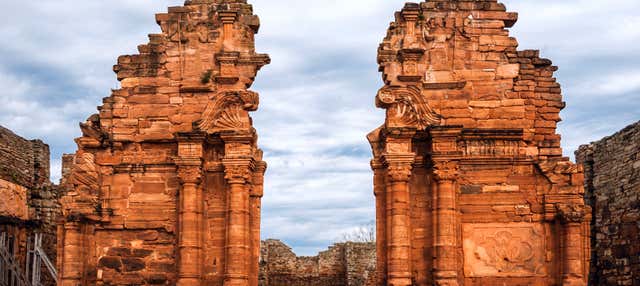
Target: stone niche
x=166, y=185
x=471, y=186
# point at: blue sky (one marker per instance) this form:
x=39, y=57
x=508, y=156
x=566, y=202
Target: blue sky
x=317, y=96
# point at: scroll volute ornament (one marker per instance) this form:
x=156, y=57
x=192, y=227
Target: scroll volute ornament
x=571, y=213
x=229, y=110
x=446, y=171
x=406, y=107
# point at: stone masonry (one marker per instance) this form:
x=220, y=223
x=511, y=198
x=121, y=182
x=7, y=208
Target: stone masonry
x=470, y=183
x=612, y=188
x=29, y=201
x=343, y=264
x=166, y=185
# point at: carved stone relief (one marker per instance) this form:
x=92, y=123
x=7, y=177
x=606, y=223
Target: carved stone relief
x=504, y=250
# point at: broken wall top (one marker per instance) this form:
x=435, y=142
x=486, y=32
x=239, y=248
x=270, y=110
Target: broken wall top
x=192, y=77
x=24, y=162
x=453, y=63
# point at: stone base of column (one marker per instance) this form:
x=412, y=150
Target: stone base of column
x=572, y=281
x=236, y=281
x=446, y=278
x=188, y=282
x=400, y=282
x=446, y=282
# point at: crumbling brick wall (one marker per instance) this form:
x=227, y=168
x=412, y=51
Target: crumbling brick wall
x=612, y=188
x=29, y=200
x=343, y=264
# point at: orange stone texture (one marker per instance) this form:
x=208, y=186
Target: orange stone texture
x=166, y=185
x=471, y=186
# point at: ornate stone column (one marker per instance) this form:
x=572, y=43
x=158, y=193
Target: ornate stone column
x=446, y=240
x=190, y=214
x=256, y=194
x=572, y=216
x=445, y=156
x=379, y=190
x=399, y=247
x=238, y=174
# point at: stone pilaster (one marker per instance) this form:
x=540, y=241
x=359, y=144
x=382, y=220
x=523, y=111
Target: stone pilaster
x=572, y=216
x=72, y=259
x=191, y=206
x=238, y=174
x=399, y=245
x=445, y=156
x=257, y=191
x=446, y=240
x=379, y=190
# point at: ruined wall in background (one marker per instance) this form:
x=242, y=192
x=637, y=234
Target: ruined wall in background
x=343, y=264
x=29, y=201
x=612, y=188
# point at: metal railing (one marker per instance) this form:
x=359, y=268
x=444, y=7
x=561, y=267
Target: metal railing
x=11, y=272
x=35, y=258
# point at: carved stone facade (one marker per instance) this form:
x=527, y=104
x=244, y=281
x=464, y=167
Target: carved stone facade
x=470, y=183
x=612, y=188
x=343, y=264
x=166, y=185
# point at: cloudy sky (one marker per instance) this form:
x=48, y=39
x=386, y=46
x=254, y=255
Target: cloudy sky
x=316, y=96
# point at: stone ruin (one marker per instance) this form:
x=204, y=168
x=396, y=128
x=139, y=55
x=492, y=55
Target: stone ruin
x=29, y=203
x=612, y=184
x=343, y=264
x=166, y=185
x=471, y=186
x=470, y=183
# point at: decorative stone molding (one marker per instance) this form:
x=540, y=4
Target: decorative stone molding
x=571, y=213
x=446, y=171
x=190, y=174
x=398, y=172
x=237, y=174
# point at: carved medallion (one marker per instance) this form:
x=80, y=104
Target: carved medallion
x=504, y=250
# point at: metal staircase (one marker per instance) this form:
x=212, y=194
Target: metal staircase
x=12, y=273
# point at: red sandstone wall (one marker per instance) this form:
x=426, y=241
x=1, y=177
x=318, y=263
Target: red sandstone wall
x=166, y=184
x=470, y=183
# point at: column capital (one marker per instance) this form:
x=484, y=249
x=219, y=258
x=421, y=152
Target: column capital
x=260, y=167
x=445, y=170
x=238, y=171
x=399, y=172
x=571, y=213
x=190, y=174
x=376, y=165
